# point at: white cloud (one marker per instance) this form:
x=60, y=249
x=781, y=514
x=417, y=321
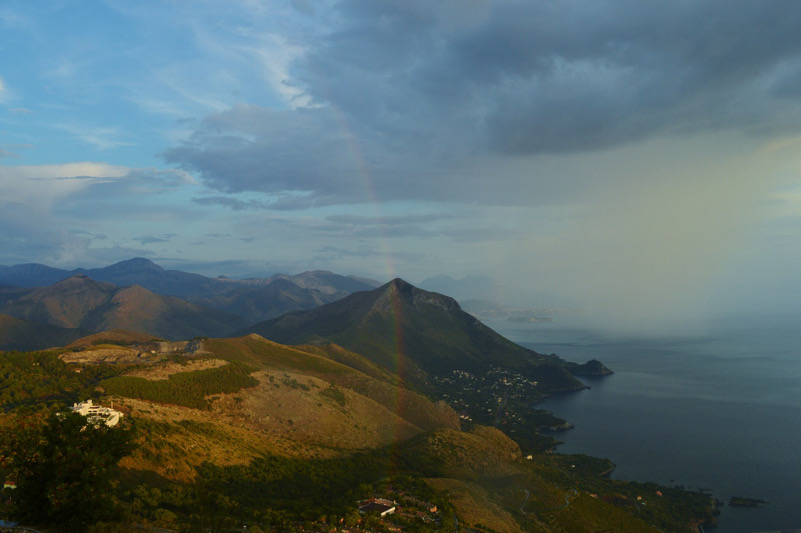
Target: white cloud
x=276, y=59
x=41, y=187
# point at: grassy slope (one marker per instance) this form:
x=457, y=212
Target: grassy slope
x=304, y=405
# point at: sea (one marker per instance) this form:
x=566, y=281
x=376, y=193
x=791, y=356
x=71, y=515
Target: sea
x=714, y=408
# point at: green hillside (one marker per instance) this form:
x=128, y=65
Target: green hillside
x=415, y=333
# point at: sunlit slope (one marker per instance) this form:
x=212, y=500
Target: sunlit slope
x=122, y=337
x=287, y=401
x=339, y=368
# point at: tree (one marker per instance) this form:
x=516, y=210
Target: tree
x=64, y=469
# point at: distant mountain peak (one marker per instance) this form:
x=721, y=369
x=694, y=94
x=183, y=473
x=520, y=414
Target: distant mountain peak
x=81, y=280
x=417, y=296
x=400, y=285
x=137, y=263
x=134, y=289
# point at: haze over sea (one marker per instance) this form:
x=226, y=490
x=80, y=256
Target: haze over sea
x=719, y=410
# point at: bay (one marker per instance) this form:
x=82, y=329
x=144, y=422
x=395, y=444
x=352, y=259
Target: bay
x=717, y=410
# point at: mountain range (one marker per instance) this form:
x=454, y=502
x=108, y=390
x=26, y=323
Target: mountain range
x=252, y=299
x=421, y=336
x=138, y=294
x=82, y=304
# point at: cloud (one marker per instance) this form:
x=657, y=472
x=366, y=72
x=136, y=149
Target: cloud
x=335, y=255
x=151, y=239
x=360, y=220
x=7, y=150
x=101, y=137
x=543, y=78
x=238, y=150
x=233, y=203
x=22, y=241
x=276, y=55
x=470, y=101
x=40, y=187
x=304, y=6
x=50, y=212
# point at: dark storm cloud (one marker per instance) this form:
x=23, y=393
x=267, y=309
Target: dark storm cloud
x=249, y=148
x=410, y=97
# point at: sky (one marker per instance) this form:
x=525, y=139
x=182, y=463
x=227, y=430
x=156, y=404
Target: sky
x=640, y=161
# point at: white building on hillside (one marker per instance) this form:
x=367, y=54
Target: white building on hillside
x=97, y=414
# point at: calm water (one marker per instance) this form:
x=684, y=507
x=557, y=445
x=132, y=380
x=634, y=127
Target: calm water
x=720, y=411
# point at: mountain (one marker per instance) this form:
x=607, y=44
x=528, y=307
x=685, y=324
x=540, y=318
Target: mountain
x=31, y=275
x=20, y=334
x=253, y=299
x=271, y=300
x=143, y=272
x=80, y=302
x=64, y=304
x=400, y=326
x=328, y=282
